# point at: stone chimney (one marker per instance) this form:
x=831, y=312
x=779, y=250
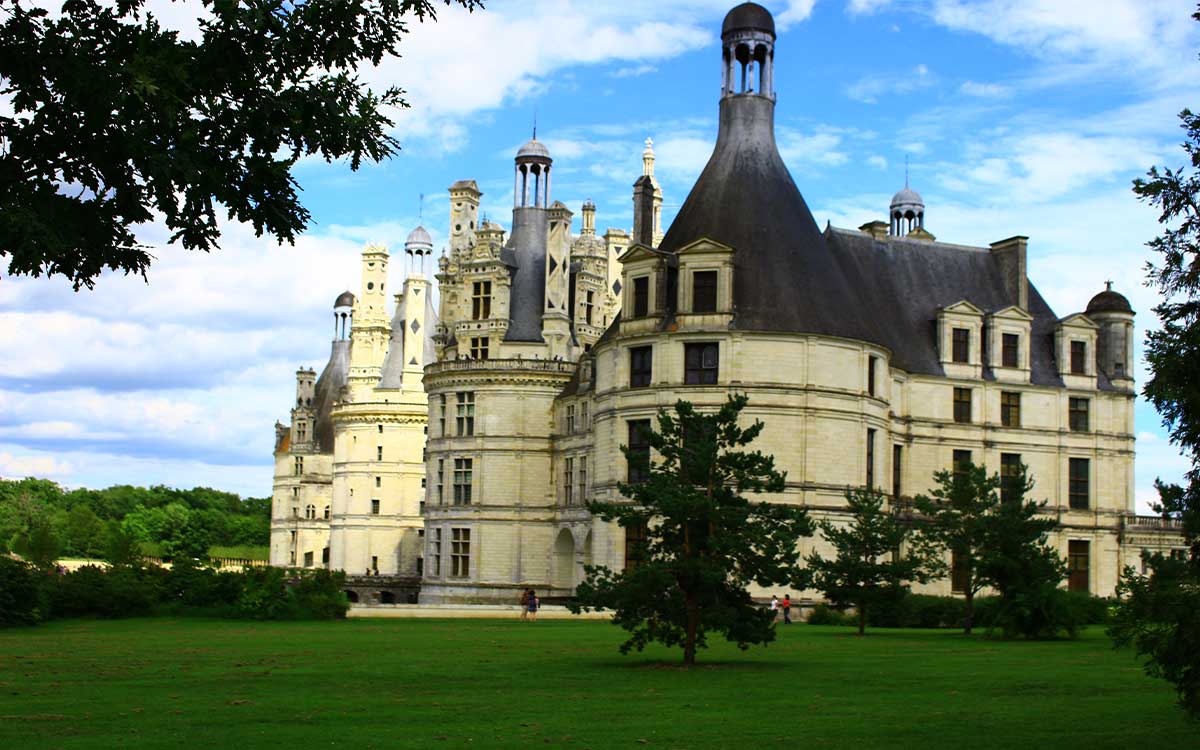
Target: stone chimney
x=643, y=211
x=1010, y=259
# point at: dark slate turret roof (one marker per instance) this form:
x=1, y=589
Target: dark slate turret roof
x=345, y=299
x=1109, y=301
x=329, y=384
x=748, y=16
x=525, y=254
x=785, y=276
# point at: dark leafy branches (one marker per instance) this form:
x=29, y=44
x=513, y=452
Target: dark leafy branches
x=118, y=121
x=703, y=541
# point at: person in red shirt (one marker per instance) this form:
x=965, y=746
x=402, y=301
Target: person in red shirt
x=786, y=605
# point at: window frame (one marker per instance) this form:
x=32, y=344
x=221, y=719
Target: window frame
x=701, y=374
x=464, y=413
x=638, y=444
x=963, y=406
x=1079, y=483
x=481, y=300
x=463, y=480
x=641, y=376
x=460, y=552
x=1076, y=412
x=640, y=290
x=1010, y=472
x=1078, y=357
x=1010, y=408
x=960, y=345
x=710, y=290
x=1010, y=344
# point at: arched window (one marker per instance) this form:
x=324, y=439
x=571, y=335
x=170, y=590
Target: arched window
x=310, y=511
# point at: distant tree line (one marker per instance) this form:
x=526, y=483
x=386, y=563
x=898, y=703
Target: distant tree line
x=42, y=521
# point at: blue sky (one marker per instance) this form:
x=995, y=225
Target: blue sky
x=1017, y=117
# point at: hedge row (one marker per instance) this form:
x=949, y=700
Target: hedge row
x=29, y=595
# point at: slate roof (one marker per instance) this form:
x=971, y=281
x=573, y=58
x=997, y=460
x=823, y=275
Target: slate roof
x=748, y=16
x=785, y=276
x=332, y=378
x=525, y=253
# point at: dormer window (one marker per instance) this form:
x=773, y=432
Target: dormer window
x=704, y=291
x=1010, y=344
x=1078, y=357
x=641, y=296
x=961, y=345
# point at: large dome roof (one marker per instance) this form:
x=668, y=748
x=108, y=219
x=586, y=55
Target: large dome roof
x=345, y=299
x=534, y=148
x=748, y=17
x=1109, y=301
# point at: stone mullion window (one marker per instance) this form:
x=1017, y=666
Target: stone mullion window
x=463, y=480
x=1078, y=414
x=1010, y=344
x=1010, y=409
x=1010, y=475
x=701, y=363
x=962, y=405
x=960, y=344
x=638, y=456
x=1079, y=483
x=568, y=481
x=481, y=300
x=460, y=553
x=641, y=366
x=465, y=416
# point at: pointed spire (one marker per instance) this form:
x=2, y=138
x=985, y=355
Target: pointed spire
x=421, y=210
x=906, y=170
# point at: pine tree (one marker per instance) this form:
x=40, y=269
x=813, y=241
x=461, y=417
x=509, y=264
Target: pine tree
x=871, y=560
x=703, y=542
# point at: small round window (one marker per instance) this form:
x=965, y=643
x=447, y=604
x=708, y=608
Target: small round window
x=370, y=285
x=458, y=227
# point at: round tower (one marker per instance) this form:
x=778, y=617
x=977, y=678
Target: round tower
x=343, y=316
x=748, y=52
x=907, y=212
x=417, y=248
x=531, y=181
x=1114, y=346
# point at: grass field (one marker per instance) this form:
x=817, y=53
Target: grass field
x=198, y=684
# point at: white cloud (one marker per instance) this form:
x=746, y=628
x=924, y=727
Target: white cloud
x=984, y=90
x=866, y=7
x=42, y=466
x=795, y=12
x=868, y=89
x=634, y=71
x=877, y=161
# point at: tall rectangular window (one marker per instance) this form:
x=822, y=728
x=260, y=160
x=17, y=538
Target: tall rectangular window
x=589, y=306
x=583, y=479
x=480, y=347
x=635, y=551
x=583, y=415
x=897, y=470
x=704, y=291
x=1010, y=409
x=374, y=507
x=641, y=366
x=960, y=344
x=379, y=453
x=441, y=478
x=641, y=296
x=961, y=462
x=870, y=459
x=301, y=432
x=299, y=465
x=1078, y=414
x=571, y=419
x=1010, y=346
x=308, y=559
x=1079, y=489
x=871, y=367
x=378, y=481
x=1010, y=477
x=700, y=363
x=462, y=481
x=1078, y=357
x=1078, y=559
x=460, y=553
x=435, y=552
x=962, y=405
x=638, y=455
x=481, y=300
x=442, y=415
x=568, y=481
x=464, y=418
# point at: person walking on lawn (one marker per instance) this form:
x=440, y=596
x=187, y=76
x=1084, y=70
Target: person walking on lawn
x=787, y=609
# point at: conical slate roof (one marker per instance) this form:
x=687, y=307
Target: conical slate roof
x=785, y=276
x=329, y=384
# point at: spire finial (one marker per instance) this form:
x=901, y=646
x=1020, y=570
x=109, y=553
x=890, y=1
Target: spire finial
x=535, y=123
x=906, y=171
x=1108, y=286
x=421, y=209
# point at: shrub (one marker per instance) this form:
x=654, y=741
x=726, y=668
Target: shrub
x=318, y=595
x=919, y=611
x=122, y=591
x=22, y=595
x=1040, y=613
x=823, y=614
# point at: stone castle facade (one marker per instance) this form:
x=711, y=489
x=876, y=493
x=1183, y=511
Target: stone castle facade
x=875, y=357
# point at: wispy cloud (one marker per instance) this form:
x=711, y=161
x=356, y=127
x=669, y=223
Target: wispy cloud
x=870, y=88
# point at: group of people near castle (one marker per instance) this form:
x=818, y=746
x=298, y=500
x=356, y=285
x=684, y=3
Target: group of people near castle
x=783, y=607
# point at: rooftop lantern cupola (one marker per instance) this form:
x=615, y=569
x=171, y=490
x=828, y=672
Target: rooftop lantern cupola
x=907, y=212
x=531, y=183
x=748, y=52
x=417, y=248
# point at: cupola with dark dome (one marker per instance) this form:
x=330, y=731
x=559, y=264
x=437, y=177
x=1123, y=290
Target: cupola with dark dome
x=1114, y=341
x=531, y=181
x=1109, y=301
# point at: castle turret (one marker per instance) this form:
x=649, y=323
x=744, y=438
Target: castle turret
x=1114, y=343
x=369, y=335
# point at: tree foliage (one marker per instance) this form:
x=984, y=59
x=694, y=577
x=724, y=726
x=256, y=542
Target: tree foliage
x=704, y=541
x=118, y=121
x=113, y=521
x=1159, y=614
x=871, y=563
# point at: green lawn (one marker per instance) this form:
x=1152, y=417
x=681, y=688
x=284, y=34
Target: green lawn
x=199, y=684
